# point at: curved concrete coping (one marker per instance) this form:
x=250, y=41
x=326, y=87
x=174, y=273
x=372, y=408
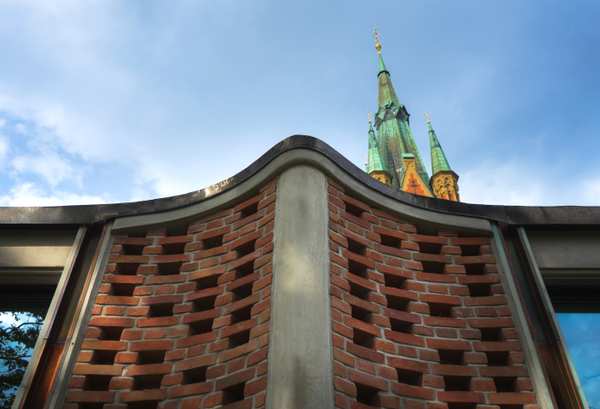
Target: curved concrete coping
x=299, y=157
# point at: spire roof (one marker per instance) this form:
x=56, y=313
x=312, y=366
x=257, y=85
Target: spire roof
x=375, y=163
x=387, y=94
x=392, y=125
x=439, y=162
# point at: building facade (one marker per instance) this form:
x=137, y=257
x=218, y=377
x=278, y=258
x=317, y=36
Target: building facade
x=300, y=283
x=303, y=282
x=393, y=156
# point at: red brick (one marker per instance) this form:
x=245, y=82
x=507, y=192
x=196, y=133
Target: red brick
x=90, y=396
x=349, y=388
x=88, y=369
x=144, y=395
x=365, y=353
x=187, y=390
x=239, y=377
x=460, y=396
x=441, y=299
x=448, y=344
x=104, y=345
x=454, y=370
x=151, y=345
x=203, y=360
x=365, y=379
x=254, y=387
x=157, y=322
x=413, y=391
x=150, y=369
x=162, y=299
x=512, y=398
x=111, y=322
x=407, y=364
x=404, y=338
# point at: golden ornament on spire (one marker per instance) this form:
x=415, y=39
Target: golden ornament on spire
x=370, y=116
x=427, y=118
x=377, y=41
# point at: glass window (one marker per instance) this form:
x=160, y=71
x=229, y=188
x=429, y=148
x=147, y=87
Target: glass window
x=18, y=333
x=581, y=332
x=22, y=311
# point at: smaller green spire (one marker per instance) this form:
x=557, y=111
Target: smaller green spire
x=374, y=164
x=439, y=162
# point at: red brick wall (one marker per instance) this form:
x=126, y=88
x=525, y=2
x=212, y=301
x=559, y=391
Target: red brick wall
x=182, y=316
x=419, y=320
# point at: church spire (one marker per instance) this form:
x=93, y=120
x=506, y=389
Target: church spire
x=387, y=94
x=394, y=134
x=375, y=165
x=444, y=181
x=439, y=162
x=393, y=156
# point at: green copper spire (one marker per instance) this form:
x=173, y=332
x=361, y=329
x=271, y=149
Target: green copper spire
x=387, y=94
x=374, y=164
x=392, y=125
x=439, y=162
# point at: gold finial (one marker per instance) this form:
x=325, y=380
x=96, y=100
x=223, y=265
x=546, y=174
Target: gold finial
x=370, y=116
x=427, y=118
x=377, y=41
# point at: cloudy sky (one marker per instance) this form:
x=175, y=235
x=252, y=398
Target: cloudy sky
x=106, y=101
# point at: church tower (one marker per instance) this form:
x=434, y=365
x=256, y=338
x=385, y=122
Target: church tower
x=393, y=157
x=444, y=181
x=375, y=164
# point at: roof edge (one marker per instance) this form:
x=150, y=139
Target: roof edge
x=89, y=214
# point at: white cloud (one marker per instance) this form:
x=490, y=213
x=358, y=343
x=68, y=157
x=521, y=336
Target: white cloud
x=3, y=147
x=53, y=168
x=515, y=183
x=20, y=128
x=591, y=190
x=28, y=194
x=507, y=183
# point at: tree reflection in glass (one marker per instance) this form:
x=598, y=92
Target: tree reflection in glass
x=18, y=332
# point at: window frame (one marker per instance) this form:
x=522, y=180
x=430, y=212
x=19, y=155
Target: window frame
x=562, y=373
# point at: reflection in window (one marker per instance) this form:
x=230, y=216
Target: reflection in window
x=22, y=310
x=18, y=333
x=582, y=336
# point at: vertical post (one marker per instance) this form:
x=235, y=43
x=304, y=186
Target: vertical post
x=531, y=356
x=88, y=295
x=570, y=376
x=51, y=315
x=300, y=355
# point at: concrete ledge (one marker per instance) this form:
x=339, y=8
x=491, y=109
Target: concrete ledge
x=301, y=157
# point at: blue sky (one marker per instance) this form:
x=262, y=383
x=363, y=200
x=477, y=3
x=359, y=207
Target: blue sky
x=106, y=101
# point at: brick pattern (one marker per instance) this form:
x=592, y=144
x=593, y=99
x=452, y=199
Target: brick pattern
x=181, y=320
x=419, y=318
